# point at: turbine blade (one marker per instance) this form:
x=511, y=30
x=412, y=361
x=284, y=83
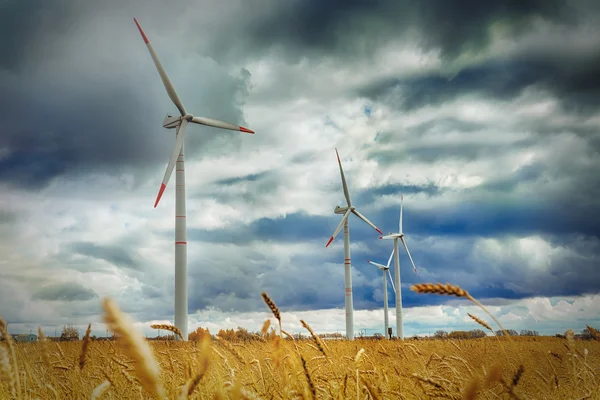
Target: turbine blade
x=376, y=264
x=409, y=256
x=390, y=259
x=391, y=280
x=359, y=215
x=173, y=159
x=344, y=185
x=163, y=74
x=401, y=204
x=339, y=227
x=220, y=124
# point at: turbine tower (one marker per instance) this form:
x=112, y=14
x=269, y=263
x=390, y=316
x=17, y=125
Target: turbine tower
x=347, y=262
x=180, y=123
x=385, y=268
x=396, y=237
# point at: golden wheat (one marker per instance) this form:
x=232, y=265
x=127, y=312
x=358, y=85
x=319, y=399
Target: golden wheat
x=136, y=347
x=284, y=367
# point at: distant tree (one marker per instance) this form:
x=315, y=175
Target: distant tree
x=242, y=334
x=198, y=334
x=69, y=332
x=440, y=334
x=227, y=334
x=477, y=333
x=511, y=332
x=459, y=335
x=586, y=334
x=527, y=332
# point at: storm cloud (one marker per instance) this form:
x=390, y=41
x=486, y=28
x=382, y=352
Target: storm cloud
x=484, y=116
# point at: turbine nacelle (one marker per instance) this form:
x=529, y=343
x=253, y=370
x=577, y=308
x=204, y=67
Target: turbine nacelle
x=380, y=266
x=392, y=236
x=342, y=210
x=171, y=122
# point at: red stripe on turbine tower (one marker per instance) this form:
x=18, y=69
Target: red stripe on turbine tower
x=180, y=242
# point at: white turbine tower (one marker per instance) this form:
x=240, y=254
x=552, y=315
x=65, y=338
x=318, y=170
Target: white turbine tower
x=396, y=236
x=180, y=123
x=385, y=268
x=347, y=263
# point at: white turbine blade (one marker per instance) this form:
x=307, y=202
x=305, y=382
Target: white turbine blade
x=359, y=215
x=220, y=124
x=163, y=74
x=344, y=185
x=391, y=280
x=172, y=160
x=390, y=259
x=337, y=230
x=409, y=256
x=400, y=223
x=376, y=264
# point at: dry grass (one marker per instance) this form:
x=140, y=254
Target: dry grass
x=280, y=368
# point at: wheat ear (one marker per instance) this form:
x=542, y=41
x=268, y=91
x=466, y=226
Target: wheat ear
x=448, y=289
x=136, y=347
x=480, y=322
x=6, y=370
x=315, y=338
x=170, y=328
x=271, y=304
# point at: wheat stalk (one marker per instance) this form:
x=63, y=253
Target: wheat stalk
x=311, y=386
x=593, y=332
x=170, y=328
x=100, y=389
x=136, y=347
x=11, y=347
x=85, y=345
x=6, y=370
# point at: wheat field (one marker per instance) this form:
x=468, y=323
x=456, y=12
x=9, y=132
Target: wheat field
x=277, y=366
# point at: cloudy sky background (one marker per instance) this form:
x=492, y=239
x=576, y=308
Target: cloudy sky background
x=484, y=115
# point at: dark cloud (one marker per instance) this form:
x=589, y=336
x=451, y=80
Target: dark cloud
x=76, y=102
x=67, y=291
x=575, y=82
x=355, y=28
x=122, y=257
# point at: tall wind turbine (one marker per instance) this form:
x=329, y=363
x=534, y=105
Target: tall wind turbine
x=396, y=237
x=385, y=268
x=347, y=263
x=180, y=123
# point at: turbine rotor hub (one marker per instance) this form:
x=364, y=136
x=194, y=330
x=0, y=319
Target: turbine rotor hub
x=188, y=117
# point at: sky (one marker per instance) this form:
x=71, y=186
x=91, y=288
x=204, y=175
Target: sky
x=484, y=115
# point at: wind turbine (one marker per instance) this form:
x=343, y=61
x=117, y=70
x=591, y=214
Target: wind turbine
x=385, y=268
x=347, y=262
x=396, y=237
x=180, y=123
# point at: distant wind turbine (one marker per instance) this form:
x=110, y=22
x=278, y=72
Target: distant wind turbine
x=396, y=236
x=180, y=123
x=385, y=268
x=347, y=262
